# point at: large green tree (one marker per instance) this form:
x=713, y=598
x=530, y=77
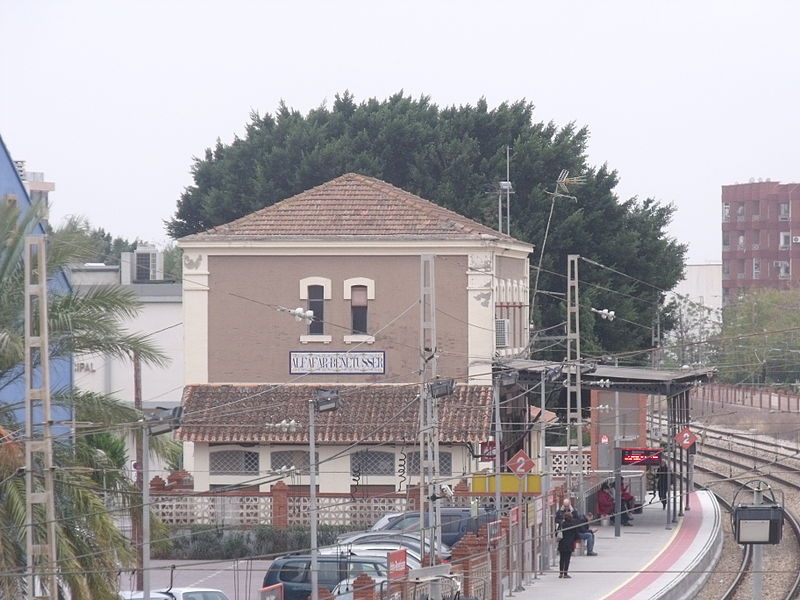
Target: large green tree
x=759, y=342
x=455, y=156
x=90, y=548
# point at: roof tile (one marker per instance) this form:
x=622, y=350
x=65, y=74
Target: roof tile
x=351, y=206
x=224, y=413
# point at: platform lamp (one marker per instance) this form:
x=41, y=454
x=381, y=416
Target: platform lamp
x=324, y=401
x=758, y=523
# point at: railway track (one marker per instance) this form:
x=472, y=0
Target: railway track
x=726, y=459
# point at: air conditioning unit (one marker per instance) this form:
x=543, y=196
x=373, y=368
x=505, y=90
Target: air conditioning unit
x=502, y=333
x=796, y=239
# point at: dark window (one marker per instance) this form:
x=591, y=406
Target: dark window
x=316, y=304
x=294, y=571
x=452, y=523
x=143, y=266
x=329, y=574
x=358, y=306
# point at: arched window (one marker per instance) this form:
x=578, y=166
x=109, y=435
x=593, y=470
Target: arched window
x=232, y=462
x=316, y=304
x=316, y=291
x=358, y=309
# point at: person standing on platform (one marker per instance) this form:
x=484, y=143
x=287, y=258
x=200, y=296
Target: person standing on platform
x=568, y=532
x=566, y=507
x=662, y=482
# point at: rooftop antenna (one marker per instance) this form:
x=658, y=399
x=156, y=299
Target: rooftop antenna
x=509, y=189
x=561, y=191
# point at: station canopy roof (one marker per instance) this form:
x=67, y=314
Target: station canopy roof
x=640, y=380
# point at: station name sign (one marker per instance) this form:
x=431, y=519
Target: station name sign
x=334, y=362
x=641, y=456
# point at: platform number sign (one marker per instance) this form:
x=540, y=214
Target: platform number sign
x=520, y=464
x=686, y=438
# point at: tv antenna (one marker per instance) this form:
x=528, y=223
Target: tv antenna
x=505, y=186
x=561, y=191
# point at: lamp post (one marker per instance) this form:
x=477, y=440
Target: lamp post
x=325, y=400
x=155, y=422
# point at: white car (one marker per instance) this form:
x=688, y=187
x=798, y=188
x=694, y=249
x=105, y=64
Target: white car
x=186, y=593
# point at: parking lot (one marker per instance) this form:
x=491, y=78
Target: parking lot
x=240, y=580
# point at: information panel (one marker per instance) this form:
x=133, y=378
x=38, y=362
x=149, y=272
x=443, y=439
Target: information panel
x=642, y=457
x=346, y=363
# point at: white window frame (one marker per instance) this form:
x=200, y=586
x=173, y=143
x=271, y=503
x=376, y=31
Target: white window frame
x=327, y=294
x=785, y=240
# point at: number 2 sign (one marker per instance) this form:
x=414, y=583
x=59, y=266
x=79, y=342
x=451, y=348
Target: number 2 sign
x=520, y=464
x=686, y=438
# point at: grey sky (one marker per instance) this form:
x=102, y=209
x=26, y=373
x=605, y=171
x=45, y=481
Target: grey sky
x=112, y=99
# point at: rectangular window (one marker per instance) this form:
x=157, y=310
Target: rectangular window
x=143, y=266
x=445, y=463
x=358, y=306
x=232, y=462
x=726, y=212
x=316, y=304
x=783, y=211
x=726, y=240
x=372, y=462
x=740, y=240
x=756, y=268
x=786, y=238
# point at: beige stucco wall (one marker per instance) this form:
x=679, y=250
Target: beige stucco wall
x=334, y=467
x=249, y=340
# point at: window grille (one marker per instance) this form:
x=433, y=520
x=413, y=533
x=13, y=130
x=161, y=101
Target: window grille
x=371, y=462
x=285, y=459
x=445, y=463
x=232, y=462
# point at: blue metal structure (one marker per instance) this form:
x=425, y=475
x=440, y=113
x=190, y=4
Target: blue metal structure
x=12, y=389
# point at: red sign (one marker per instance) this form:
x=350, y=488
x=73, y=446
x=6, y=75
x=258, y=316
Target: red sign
x=603, y=439
x=513, y=516
x=272, y=592
x=520, y=464
x=397, y=563
x=641, y=456
x=487, y=451
x=686, y=438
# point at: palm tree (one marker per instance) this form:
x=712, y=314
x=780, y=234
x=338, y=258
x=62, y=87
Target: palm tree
x=89, y=469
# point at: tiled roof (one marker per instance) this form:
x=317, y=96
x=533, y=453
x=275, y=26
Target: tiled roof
x=367, y=413
x=351, y=206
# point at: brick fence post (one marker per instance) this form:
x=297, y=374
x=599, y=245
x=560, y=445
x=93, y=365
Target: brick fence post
x=364, y=588
x=280, y=505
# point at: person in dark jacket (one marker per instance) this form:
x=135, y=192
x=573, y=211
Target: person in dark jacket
x=566, y=545
x=586, y=533
x=662, y=482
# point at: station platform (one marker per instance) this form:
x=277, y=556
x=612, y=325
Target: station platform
x=647, y=562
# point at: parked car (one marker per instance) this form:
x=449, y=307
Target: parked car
x=456, y=522
x=413, y=559
x=186, y=593
x=409, y=539
x=293, y=571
